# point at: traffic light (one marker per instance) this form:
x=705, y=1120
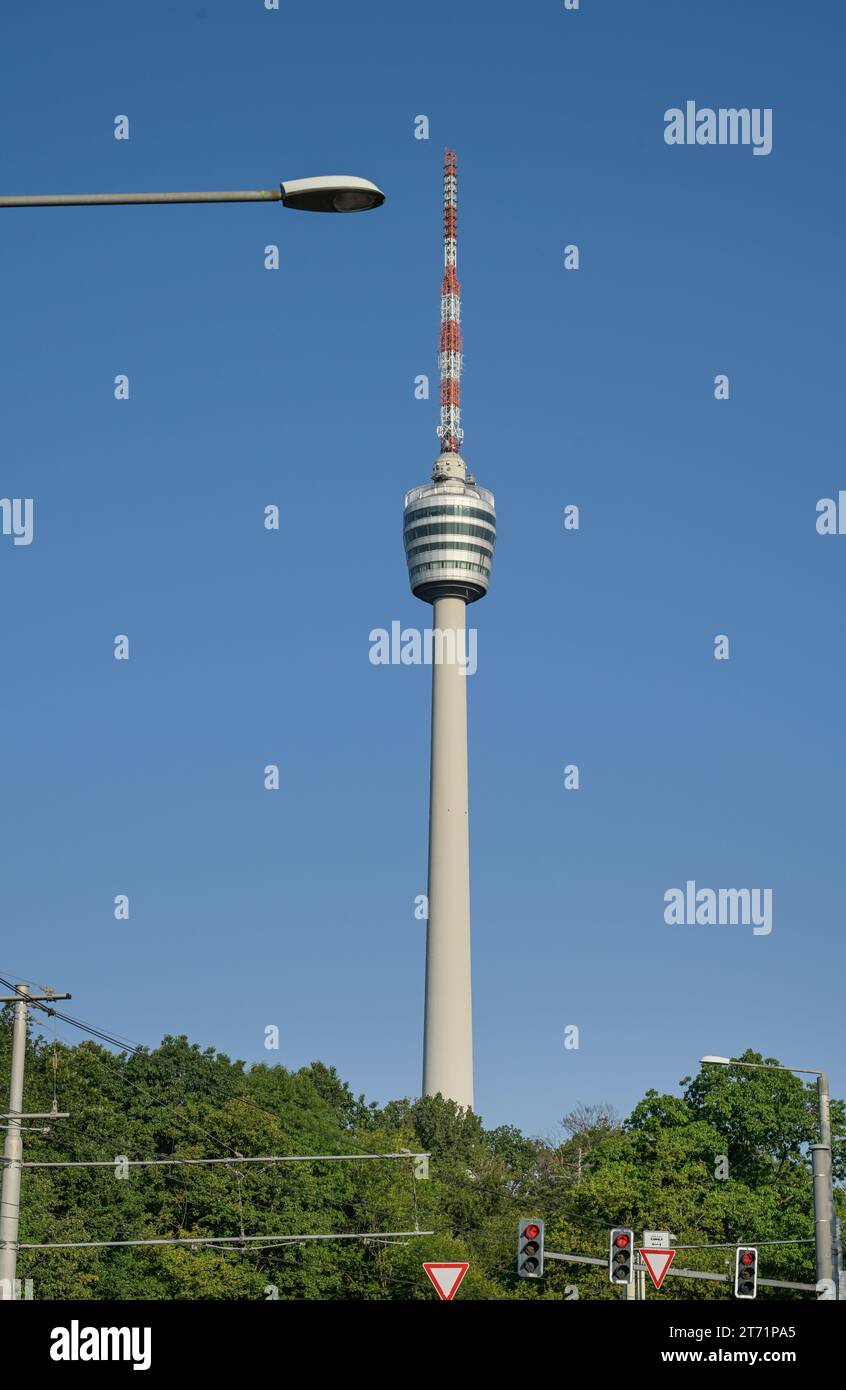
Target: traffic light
x=530, y=1249
x=746, y=1272
x=621, y=1256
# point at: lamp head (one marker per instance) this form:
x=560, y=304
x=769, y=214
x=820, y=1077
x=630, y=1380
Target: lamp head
x=332, y=193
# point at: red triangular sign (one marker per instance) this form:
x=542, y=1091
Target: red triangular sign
x=657, y=1262
x=446, y=1278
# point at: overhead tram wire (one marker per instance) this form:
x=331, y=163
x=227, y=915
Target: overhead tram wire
x=229, y=1241
x=127, y=1045
x=123, y=1044
x=267, y=1241
x=22, y=979
x=235, y=1158
x=139, y=1049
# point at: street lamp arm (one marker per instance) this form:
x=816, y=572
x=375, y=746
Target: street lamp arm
x=321, y=193
x=760, y=1066
x=69, y=200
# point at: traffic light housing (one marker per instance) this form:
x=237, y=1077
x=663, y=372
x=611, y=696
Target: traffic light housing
x=621, y=1255
x=746, y=1272
x=530, y=1248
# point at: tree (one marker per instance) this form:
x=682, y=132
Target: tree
x=724, y=1161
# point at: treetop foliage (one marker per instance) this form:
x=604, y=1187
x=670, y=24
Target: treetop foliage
x=725, y=1160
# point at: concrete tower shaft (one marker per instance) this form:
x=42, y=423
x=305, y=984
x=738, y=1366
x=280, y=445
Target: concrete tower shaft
x=448, y=1022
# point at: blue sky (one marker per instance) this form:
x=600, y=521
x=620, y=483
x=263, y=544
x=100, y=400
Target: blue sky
x=249, y=387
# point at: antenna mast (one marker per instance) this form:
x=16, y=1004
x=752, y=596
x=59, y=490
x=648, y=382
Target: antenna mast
x=450, y=432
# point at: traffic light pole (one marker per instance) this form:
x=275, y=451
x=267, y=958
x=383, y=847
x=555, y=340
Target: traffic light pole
x=829, y=1237
x=823, y=1229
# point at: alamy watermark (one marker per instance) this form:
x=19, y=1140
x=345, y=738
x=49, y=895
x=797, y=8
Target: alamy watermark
x=13, y=1290
x=411, y=646
x=719, y=907
x=79, y=1342
x=831, y=515
x=17, y=519
x=728, y=125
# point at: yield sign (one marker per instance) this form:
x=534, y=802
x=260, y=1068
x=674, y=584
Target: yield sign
x=657, y=1262
x=446, y=1278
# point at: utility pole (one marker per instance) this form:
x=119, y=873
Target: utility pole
x=823, y=1226
x=10, y=1196
x=833, y=1233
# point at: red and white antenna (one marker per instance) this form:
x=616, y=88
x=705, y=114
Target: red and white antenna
x=450, y=432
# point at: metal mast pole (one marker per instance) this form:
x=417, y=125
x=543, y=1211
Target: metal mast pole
x=820, y=1159
x=10, y=1199
x=450, y=360
x=10, y=1195
x=825, y=1232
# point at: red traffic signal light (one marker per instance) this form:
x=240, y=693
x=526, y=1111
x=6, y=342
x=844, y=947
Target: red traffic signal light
x=621, y=1255
x=530, y=1249
x=746, y=1272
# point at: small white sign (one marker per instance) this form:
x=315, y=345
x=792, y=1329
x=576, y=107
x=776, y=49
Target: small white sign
x=656, y=1240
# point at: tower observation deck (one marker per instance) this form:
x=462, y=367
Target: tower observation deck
x=449, y=530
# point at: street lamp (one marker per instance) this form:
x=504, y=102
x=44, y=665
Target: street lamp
x=821, y=1167
x=325, y=193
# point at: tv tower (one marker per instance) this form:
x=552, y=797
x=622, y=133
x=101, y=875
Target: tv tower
x=449, y=530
